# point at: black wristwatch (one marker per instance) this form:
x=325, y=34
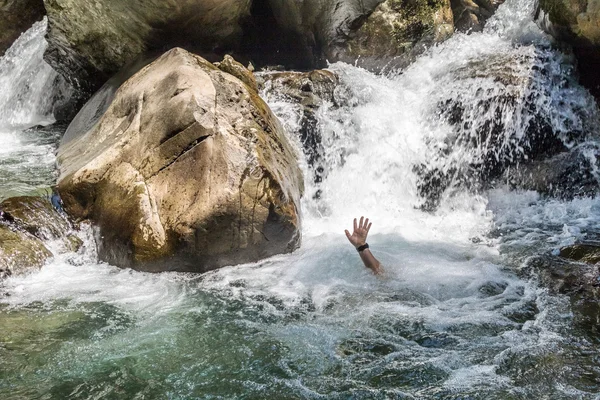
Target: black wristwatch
x=363, y=247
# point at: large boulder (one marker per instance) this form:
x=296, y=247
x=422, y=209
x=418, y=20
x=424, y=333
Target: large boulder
x=576, y=22
x=16, y=16
x=187, y=170
x=89, y=43
x=394, y=34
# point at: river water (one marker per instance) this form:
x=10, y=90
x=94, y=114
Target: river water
x=450, y=318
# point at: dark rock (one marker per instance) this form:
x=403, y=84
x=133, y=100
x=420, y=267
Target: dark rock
x=309, y=91
x=471, y=15
x=579, y=280
x=87, y=45
x=588, y=253
x=186, y=169
x=518, y=128
x=16, y=16
x=25, y=224
x=577, y=23
x=38, y=217
x=567, y=175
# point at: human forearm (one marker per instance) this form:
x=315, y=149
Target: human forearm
x=370, y=261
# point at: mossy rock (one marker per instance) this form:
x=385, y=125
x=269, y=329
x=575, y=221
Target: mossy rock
x=583, y=252
x=396, y=32
x=20, y=252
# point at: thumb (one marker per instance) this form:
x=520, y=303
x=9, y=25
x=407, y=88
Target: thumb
x=348, y=235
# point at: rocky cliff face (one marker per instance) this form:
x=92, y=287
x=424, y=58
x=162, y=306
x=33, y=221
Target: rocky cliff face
x=187, y=170
x=16, y=16
x=577, y=22
x=89, y=45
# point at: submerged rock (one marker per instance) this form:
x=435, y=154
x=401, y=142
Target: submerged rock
x=16, y=16
x=587, y=252
x=576, y=274
x=187, y=170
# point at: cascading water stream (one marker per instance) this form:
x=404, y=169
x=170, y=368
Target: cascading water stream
x=450, y=319
x=30, y=92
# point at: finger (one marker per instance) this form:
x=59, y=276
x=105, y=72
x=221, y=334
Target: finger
x=355, y=226
x=366, y=223
x=348, y=235
x=360, y=225
x=369, y=227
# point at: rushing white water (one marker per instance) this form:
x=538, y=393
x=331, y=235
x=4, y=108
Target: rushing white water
x=449, y=319
x=30, y=91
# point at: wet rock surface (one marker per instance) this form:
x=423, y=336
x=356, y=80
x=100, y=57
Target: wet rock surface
x=471, y=15
x=187, y=170
x=574, y=272
x=26, y=224
x=395, y=33
x=16, y=16
x=308, y=91
x=578, y=24
x=566, y=175
x=88, y=46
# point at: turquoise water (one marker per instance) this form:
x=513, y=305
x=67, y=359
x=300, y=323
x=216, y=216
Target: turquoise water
x=453, y=317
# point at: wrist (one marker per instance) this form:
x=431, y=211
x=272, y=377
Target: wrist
x=362, y=247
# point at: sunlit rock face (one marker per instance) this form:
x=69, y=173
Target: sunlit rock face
x=27, y=225
x=187, y=170
x=394, y=34
x=16, y=16
x=578, y=24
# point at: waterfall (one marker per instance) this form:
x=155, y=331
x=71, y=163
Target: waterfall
x=426, y=153
x=31, y=90
x=30, y=87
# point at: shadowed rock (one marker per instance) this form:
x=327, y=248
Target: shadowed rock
x=576, y=22
x=308, y=91
x=471, y=15
x=16, y=16
x=187, y=170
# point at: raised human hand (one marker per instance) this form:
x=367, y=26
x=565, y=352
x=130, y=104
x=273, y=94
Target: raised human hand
x=361, y=230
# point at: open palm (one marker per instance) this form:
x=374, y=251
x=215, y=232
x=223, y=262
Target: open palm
x=361, y=230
